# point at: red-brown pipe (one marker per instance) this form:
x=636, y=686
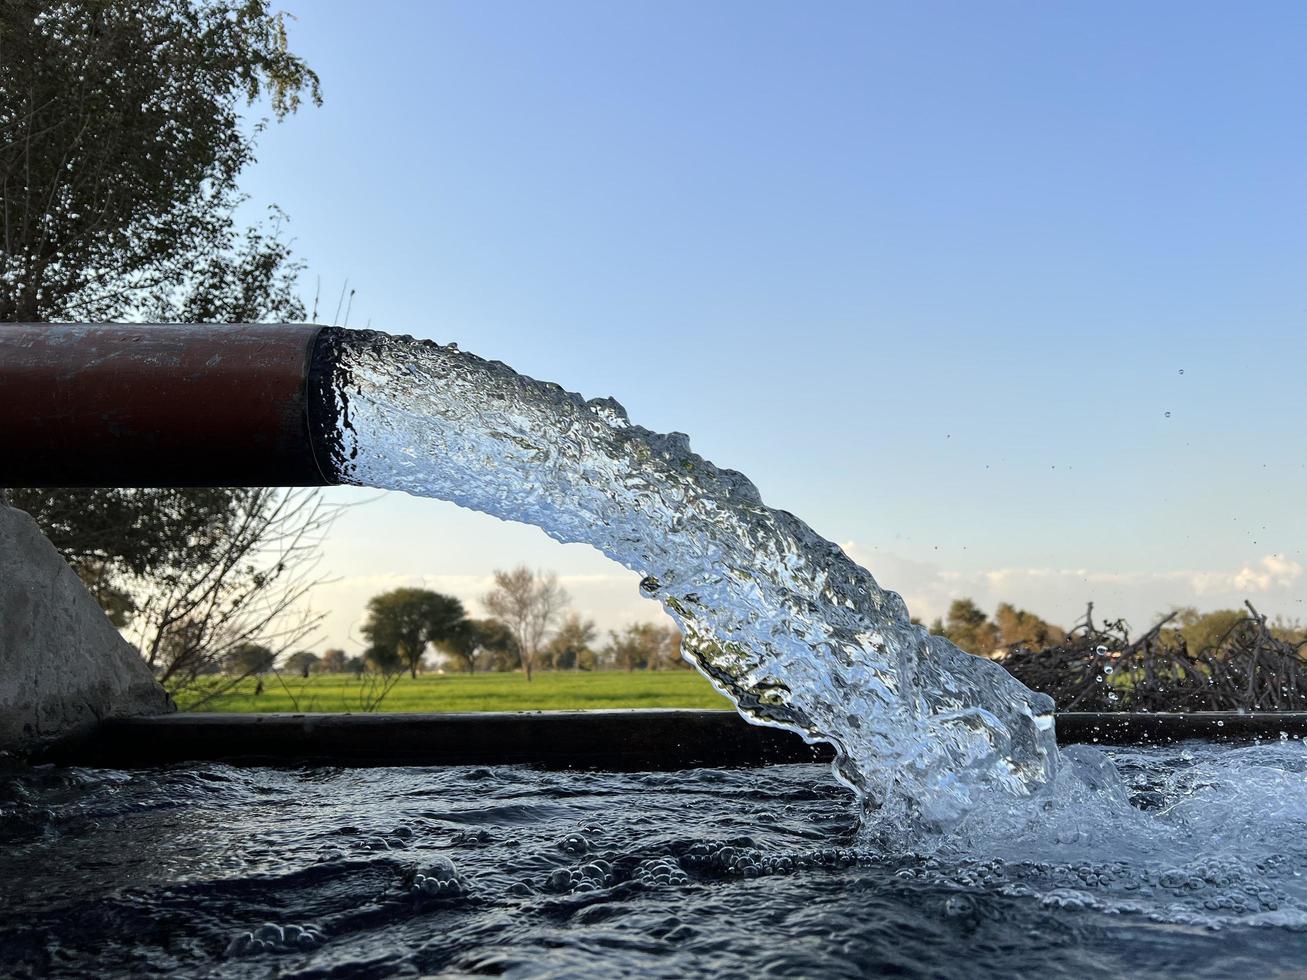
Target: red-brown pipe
x=157, y=405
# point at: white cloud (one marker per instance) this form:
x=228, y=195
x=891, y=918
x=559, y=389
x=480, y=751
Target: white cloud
x=1272, y=572
x=1061, y=594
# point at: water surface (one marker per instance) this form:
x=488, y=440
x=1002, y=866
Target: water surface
x=704, y=872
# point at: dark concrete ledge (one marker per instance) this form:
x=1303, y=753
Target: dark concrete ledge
x=619, y=740
x=1164, y=728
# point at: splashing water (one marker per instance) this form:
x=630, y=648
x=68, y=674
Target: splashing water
x=778, y=618
x=217, y=871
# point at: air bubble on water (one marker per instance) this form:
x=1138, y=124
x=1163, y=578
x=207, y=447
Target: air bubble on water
x=441, y=879
x=574, y=844
x=271, y=937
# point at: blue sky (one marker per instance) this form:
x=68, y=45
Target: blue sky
x=932, y=274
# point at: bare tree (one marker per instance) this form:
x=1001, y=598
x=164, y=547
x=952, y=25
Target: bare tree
x=528, y=603
x=261, y=564
x=1245, y=666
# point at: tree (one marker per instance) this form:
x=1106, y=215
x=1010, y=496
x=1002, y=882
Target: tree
x=572, y=646
x=117, y=539
x=471, y=641
x=180, y=653
x=1016, y=627
x=255, y=567
x=121, y=143
x=968, y=628
x=669, y=652
x=401, y=623
x=303, y=662
x=249, y=658
x=527, y=603
x=1205, y=631
x=332, y=662
x=639, y=645
x=382, y=660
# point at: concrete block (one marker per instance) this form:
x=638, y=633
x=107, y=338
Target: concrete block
x=63, y=665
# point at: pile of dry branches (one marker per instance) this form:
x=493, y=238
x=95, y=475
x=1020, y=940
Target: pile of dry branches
x=1099, y=668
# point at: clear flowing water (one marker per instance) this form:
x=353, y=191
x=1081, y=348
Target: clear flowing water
x=216, y=871
x=781, y=620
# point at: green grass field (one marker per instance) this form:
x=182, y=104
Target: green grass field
x=461, y=692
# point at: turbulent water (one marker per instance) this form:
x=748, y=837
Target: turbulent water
x=312, y=873
x=781, y=620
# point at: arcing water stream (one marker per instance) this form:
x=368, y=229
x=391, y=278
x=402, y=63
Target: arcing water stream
x=780, y=619
x=947, y=753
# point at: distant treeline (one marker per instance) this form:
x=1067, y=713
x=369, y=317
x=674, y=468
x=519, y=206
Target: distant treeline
x=970, y=628
x=1227, y=659
x=530, y=628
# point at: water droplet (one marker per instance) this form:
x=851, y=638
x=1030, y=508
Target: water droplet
x=1182, y=370
x=1107, y=669
x=1101, y=651
x=1168, y=415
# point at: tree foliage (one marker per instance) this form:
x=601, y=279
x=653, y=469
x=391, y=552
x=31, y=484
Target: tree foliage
x=303, y=662
x=481, y=643
x=116, y=539
x=572, y=645
x=1202, y=631
x=1017, y=627
x=968, y=627
x=121, y=141
x=401, y=624
x=643, y=646
x=246, y=659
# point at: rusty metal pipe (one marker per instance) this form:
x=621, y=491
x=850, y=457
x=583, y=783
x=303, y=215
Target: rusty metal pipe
x=162, y=405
